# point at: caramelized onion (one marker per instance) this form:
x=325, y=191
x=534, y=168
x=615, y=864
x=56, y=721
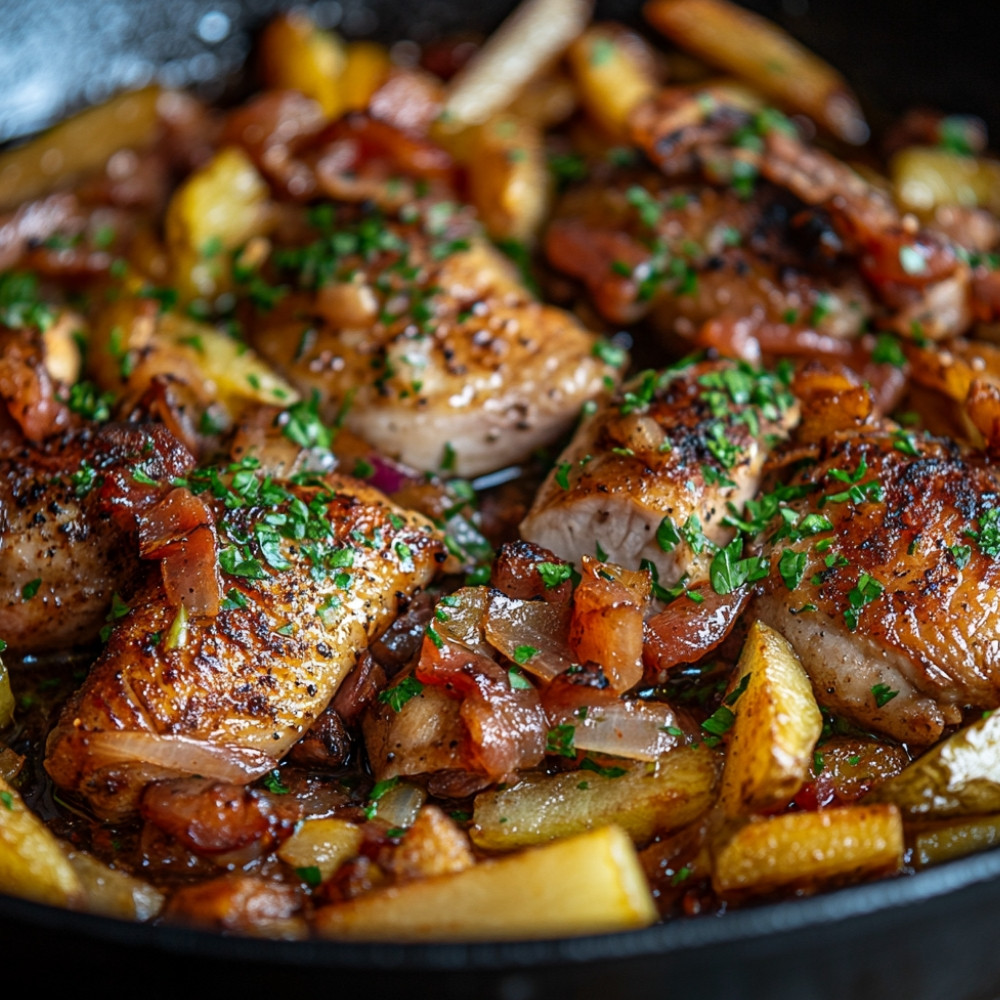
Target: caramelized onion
x=223, y=762
x=516, y=627
x=686, y=630
x=180, y=532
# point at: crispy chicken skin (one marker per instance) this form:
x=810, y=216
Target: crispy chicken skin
x=687, y=255
x=67, y=530
x=226, y=697
x=894, y=613
x=651, y=474
x=915, y=275
x=423, y=337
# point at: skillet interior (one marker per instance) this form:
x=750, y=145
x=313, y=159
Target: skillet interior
x=921, y=938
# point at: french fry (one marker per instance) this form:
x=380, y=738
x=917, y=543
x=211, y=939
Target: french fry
x=295, y=54
x=646, y=799
x=613, y=70
x=776, y=726
x=33, y=864
x=958, y=777
x=77, y=146
x=218, y=208
x=747, y=45
x=809, y=850
x=324, y=844
x=588, y=884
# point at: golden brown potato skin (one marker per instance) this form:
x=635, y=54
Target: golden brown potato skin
x=66, y=520
x=932, y=633
x=230, y=700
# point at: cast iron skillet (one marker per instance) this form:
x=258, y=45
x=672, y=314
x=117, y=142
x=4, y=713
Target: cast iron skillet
x=926, y=937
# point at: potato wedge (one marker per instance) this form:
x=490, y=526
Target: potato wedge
x=810, y=850
x=366, y=68
x=924, y=177
x=776, y=726
x=648, y=798
x=295, y=54
x=749, y=46
x=587, y=884
x=78, y=145
x=113, y=893
x=33, y=864
x=534, y=35
x=958, y=777
x=324, y=844
x=509, y=179
x=129, y=347
x=955, y=840
x=614, y=72
x=218, y=208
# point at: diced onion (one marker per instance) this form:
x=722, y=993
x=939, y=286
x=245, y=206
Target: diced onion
x=515, y=627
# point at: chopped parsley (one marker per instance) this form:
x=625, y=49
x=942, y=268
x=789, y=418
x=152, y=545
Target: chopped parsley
x=883, y=694
x=273, y=783
x=559, y=740
x=398, y=695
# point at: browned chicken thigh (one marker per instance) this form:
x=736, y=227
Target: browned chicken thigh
x=419, y=334
x=652, y=474
x=885, y=576
x=311, y=574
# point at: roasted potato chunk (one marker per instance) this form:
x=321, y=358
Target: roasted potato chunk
x=776, y=726
x=810, y=850
x=33, y=865
x=958, y=777
x=587, y=884
x=645, y=799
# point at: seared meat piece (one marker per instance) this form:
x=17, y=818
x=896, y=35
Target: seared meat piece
x=915, y=273
x=312, y=573
x=689, y=254
x=651, y=475
x=420, y=334
x=68, y=529
x=885, y=578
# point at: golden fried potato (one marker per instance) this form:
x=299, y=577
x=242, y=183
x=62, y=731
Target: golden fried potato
x=33, y=864
x=810, y=850
x=924, y=177
x=114, y=893
x=295, y=54
x=216, y=210
x=647, y=798
x=434, y=845
x=324, y=844
x=747, y=45
x=614, y=72
x=77, y=146
x=776, y=726
x=960, y=776
x=588, y=884
x=509, y=180
x=955, y=840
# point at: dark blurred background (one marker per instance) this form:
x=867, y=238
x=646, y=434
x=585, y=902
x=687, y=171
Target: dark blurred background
x=57, y=55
